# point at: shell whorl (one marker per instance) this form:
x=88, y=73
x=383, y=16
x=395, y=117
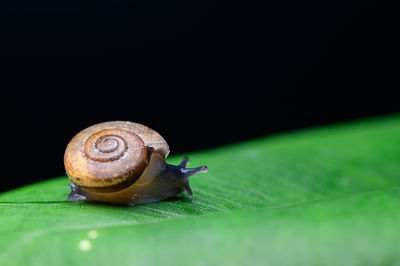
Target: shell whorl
x=108, y=145
x=110, y=156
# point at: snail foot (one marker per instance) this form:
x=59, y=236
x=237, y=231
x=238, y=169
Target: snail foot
x=76, y=193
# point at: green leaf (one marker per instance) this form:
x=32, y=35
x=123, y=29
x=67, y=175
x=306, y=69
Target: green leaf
x=324, y=196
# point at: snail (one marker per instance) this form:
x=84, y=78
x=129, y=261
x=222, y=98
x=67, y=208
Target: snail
x=123, y=162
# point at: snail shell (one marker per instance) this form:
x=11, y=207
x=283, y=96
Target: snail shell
x=123, y=162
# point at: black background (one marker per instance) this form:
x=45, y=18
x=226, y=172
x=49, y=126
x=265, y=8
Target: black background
x=201, y=73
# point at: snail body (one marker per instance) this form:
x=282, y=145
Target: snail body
x=124, y=163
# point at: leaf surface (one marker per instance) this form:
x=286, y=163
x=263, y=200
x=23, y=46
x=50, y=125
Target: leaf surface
x=323, y=196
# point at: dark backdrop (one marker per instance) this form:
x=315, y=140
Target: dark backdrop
x=202, y=73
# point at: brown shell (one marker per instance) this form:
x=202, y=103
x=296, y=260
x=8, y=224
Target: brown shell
x=110, y=156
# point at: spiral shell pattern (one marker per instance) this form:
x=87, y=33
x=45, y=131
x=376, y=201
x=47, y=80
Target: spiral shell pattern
x=110, y=156
x=108, y=145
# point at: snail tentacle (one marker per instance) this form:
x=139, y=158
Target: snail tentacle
x=184, y=162
x=188, y=172
x=182, y=174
